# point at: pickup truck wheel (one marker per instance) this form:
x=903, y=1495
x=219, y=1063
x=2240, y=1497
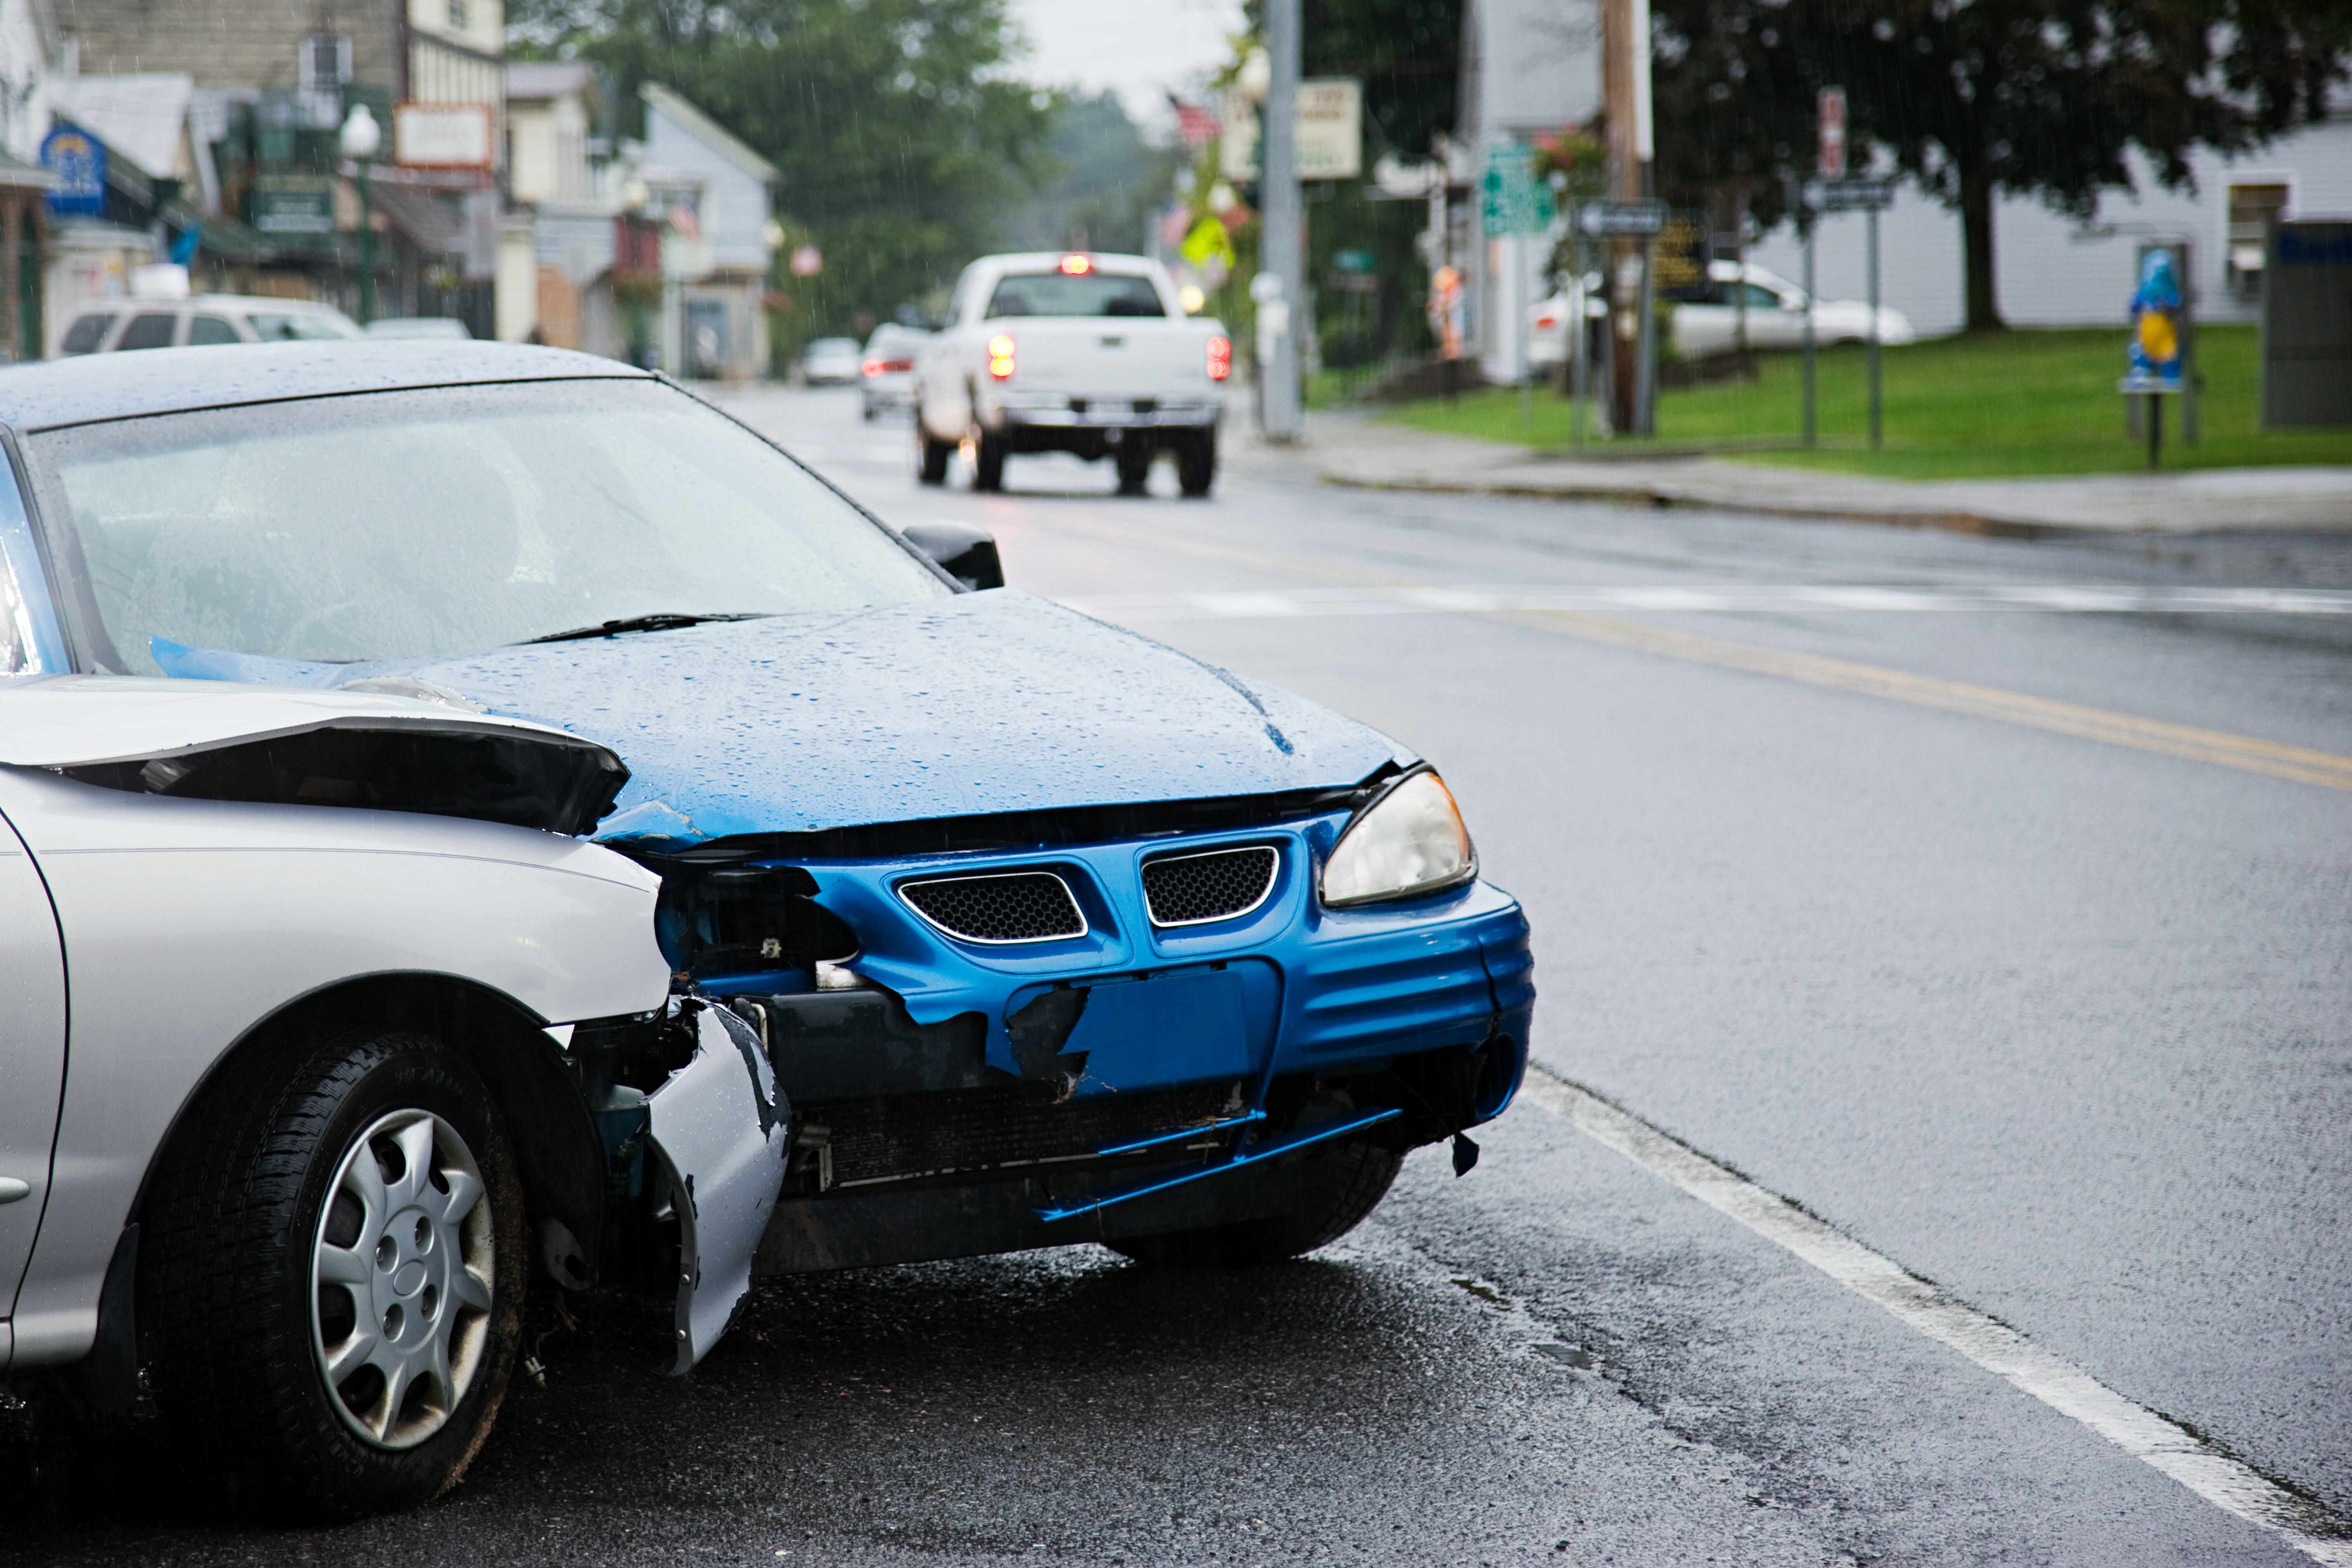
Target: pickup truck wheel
x=988, y=463
x=1344, y=1185
x=1133, y=461
x=1196, y=464
x=332, y=1299
x=930, y=457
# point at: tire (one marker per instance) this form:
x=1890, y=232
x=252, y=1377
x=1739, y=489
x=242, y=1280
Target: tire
x=351, y=1154
x=1196, y=464
x=1133, y=461
x=1343, y=1186
x=930, y=457
x=988, y=463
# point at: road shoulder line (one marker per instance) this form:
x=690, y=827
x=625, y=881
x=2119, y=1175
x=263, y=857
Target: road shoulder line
x=2144, y=1433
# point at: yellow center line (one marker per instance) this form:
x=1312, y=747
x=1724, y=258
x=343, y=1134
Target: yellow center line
x=2219, y=747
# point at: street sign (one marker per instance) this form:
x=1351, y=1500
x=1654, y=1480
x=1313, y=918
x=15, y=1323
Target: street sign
x=77, y=162
x=293, y=209
x=1327, y=131
x=1329, y=141
x=1685, y=252
x=1511, y=200
x=1832, y=133
x=441, y=135
x=1642, y=217
x=1854, y=194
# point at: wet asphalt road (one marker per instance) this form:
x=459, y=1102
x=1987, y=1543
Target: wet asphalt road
x=2063, y=1026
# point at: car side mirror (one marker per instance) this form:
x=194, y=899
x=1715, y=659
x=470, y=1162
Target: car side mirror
x=964, y=552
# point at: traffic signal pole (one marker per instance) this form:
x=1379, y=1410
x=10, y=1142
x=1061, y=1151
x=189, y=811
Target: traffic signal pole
x=1280, y=239
x=1625, y=95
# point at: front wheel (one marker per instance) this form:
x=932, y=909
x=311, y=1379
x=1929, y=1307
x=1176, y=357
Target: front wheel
x=1196, y=464
x=1343, y=1185
x=332, y=1299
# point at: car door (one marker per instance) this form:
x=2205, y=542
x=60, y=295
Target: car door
x=32, y=1056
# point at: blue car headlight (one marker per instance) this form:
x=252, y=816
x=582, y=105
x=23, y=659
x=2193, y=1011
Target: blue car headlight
x=1410, y=840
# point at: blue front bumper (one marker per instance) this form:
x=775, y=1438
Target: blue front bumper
x=1281, y=1003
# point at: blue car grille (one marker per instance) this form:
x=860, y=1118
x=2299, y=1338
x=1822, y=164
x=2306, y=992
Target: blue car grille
x=1219, y=885
x=1016, y=906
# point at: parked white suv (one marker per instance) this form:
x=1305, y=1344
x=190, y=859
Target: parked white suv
x=1090, y=354
x=103, y=326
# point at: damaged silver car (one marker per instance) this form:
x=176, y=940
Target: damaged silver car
x=289, y=983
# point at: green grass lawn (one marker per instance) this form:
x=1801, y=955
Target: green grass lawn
x=2013, y=402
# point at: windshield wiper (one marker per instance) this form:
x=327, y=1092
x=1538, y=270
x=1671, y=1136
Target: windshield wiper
x=661, y=623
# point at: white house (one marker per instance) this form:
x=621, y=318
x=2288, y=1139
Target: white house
x=2050, y=271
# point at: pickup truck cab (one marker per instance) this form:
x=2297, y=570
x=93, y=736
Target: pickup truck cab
x=1090, y=354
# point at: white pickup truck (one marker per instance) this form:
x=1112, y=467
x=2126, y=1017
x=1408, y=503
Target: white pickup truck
x=1085, y=354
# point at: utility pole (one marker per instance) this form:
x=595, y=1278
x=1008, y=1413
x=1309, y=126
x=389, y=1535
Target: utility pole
x=1625, y=97
x=1279, y=240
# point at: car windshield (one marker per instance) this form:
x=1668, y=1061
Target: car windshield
x=1080, y=294
x=407, y=524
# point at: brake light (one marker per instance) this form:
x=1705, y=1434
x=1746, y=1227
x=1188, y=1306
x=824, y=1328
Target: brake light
x=895, y=367
x=1000, y=356
x=1077, y=266
x=1221, y=358
x=873, y=367
x=1547, y=322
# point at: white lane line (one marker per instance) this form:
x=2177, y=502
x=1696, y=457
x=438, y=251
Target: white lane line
x=2067, y=1389
x=1469, y=598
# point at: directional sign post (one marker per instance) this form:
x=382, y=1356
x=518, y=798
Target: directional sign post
x=1845, y=194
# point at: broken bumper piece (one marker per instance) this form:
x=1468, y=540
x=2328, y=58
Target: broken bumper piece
x=719, y=1138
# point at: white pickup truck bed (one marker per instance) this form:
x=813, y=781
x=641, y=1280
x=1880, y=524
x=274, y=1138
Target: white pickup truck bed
x=1090, y=354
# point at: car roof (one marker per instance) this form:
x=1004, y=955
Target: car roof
x=91, y=388
x=207, y=302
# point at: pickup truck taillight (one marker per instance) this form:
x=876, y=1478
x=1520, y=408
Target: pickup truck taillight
x=889, y=367
x=1000, y=356
x=1221, y=358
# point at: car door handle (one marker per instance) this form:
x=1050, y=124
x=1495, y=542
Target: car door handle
x=11, y=1188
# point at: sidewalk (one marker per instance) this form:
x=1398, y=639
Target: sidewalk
x=1351, y=448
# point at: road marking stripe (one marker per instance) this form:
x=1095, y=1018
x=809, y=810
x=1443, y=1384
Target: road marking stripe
x=1473, y=599
x=2243, y=753
x=2139, y=1431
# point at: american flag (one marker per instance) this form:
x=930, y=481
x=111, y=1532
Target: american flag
x=1196, y=125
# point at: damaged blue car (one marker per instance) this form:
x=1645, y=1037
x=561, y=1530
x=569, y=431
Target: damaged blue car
x=1049, y=933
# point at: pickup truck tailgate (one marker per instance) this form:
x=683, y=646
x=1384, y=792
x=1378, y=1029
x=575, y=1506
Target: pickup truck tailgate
x=1107, y=357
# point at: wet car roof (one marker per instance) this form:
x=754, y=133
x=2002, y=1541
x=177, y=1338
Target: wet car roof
x=124, y=385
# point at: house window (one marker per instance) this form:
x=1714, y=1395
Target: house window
x=461, y=13
x=325, y=61
x=2252, y=209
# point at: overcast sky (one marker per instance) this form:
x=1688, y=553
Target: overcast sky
x=1142, y=48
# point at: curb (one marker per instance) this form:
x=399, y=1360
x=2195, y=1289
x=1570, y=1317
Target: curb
x=1982, y=524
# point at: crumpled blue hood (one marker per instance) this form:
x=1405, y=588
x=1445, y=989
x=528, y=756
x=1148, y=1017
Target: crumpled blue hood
x=958, y=707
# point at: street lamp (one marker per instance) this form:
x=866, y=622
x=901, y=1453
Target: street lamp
x=360, y=138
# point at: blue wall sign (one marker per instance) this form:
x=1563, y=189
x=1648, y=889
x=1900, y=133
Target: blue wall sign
x=78, y=161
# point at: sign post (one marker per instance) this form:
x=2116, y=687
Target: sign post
x=1870, y=197
x=2158, y=357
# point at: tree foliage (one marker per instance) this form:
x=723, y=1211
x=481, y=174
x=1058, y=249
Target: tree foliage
x=1106, y=183
x=2050, y=99
x=904, y=144
x=1407, y=53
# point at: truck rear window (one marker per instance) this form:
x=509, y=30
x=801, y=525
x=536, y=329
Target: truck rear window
x=1087, y=294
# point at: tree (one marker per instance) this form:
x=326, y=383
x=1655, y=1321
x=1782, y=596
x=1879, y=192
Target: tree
x=1107, y=184
x=2052, y=98
x=903, y=145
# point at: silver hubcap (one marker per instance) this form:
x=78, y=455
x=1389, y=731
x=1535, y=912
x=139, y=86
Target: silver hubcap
x=400, y=1279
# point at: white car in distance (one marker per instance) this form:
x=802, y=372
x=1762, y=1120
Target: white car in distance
x=1775, y=317
x=1086, y=353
